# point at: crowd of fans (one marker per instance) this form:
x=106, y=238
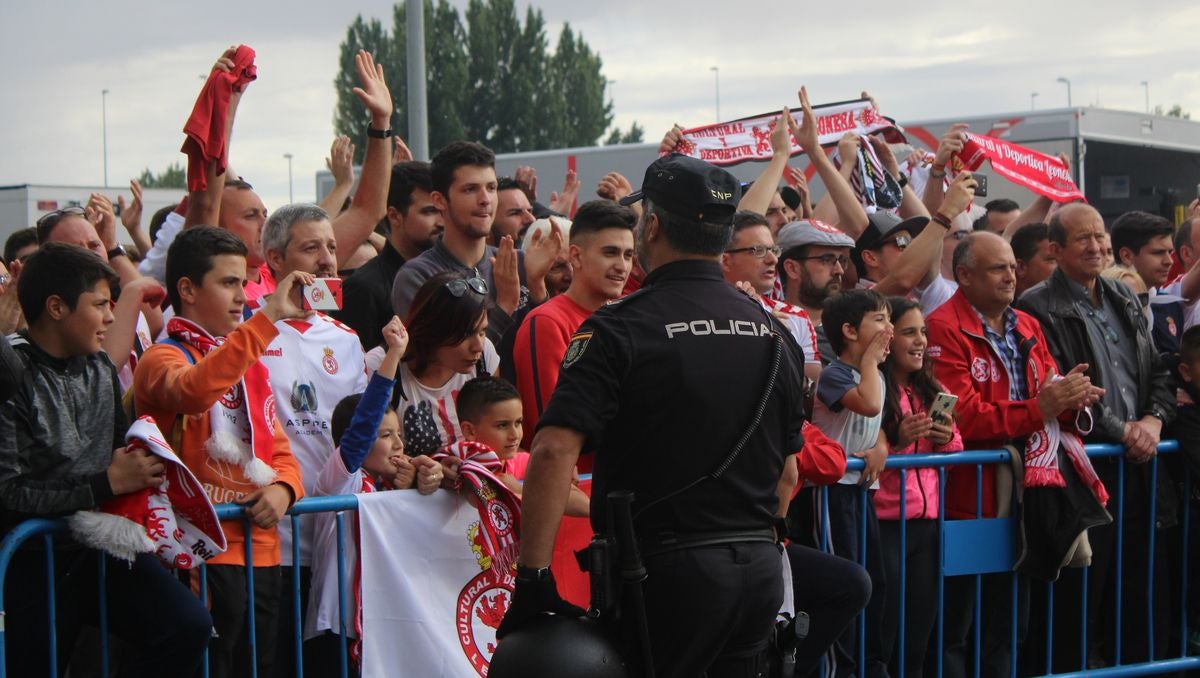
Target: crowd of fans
x=1052, y=326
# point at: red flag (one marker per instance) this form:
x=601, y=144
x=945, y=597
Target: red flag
x=1036, y=171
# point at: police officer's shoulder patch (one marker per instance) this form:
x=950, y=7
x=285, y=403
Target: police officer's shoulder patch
x=575, y=349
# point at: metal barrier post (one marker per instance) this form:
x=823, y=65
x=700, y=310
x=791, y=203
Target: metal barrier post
x=251, y=628
x=903, y=569
x=941, y=582
x=339, y=519
x=862, y=560
x=102, y=571
x=51, y=584
x=1150, y=569
x=297, y=629
x=1120, y=561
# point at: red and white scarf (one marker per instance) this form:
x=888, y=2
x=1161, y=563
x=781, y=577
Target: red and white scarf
x=1036, y=171
x=242, y=421
x=729, y=143
x=499, y=507
x=175, y=520
x=1041, y=460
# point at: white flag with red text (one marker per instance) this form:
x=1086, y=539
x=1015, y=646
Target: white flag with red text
x=431, y=602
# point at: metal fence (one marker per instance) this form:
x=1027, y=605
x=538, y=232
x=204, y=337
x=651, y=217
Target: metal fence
x=960, y=556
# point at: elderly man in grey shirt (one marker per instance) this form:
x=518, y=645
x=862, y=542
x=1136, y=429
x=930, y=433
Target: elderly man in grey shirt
x=1088, y=319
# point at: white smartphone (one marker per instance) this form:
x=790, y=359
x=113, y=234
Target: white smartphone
x=943, y=408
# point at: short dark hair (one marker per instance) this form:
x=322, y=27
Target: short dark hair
x=850, y=306
x=481, y=393
x=508, y=184
x=1026, y=240
x=343, y=414
x=596, y=215
x=62, y=270
x=191, y=256
x=1135, y=229
x=407, y=177
x=238, y=183
x=454, y=155
x=1001, y=205
x=744, y=219
x=437, y=318
x=689, y=236
x=1189, y=345
x=157, y=221
x=18, y=241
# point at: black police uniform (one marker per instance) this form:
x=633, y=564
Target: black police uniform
x=662, y=384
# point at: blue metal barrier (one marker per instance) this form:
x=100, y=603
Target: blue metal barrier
x=954, y=560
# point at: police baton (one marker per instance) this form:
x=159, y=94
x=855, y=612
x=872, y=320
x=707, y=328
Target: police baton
x=633, y=573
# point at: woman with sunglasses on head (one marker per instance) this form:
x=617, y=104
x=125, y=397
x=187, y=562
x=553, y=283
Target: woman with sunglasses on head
x=448, y=346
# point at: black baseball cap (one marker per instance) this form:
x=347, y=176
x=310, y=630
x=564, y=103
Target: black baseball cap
x=885, y=224
x=689, y=187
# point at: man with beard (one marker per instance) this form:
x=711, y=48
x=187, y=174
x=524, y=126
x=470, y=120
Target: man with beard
x=813, y=258
x=413, y=220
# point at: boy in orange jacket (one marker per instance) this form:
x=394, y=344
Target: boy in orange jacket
x=207, y=389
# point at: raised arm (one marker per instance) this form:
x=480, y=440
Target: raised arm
x=950, y=143
x=204, y=207
x=353, y=226
x=919, y=262
x=758, y=198
x=341, y=165
x=852, y=219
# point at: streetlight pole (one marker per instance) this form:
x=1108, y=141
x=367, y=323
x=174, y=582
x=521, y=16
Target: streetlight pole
x=289, y=159
x=717, y=73
x=1146, y=85
x=1068, y=84
x=104, y=130
x=1033, y=100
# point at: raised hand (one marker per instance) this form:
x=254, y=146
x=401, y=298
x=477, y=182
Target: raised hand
x=131, y=214
x=671, y=139
x=341, y=161
x=99, y=211
x=960, y=194
x=781, y=136
x=395, y=335
x=806, y=132
x=506, y=277
x=526, y=178
x=401, y=153
x=561, y=201
x=374, y=93
x=614, y=186
x=950, y=143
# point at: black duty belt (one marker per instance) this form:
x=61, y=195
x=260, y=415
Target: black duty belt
x=666, y=542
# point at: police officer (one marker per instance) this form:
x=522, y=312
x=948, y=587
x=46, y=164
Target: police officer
x=661, y=386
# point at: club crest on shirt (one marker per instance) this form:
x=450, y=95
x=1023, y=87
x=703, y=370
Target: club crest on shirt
x=329, y=362
x=980, y=371
x=575, y=349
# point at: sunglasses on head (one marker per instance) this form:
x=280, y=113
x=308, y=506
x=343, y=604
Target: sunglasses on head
x=459, y=286
x=49, y=219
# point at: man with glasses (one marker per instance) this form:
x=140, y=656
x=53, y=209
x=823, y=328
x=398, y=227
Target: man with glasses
x=902, y=258
x=1089, y=319
x=751, y=259
x=814, y=257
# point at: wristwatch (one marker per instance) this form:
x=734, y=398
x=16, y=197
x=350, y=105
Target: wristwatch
x=532, y=573
x=379, y=133
x=117, y=251
x=1157, y=414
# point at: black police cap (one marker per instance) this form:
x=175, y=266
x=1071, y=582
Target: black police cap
x=690, y=188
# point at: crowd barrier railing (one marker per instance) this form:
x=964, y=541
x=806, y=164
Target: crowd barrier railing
x=959, y=540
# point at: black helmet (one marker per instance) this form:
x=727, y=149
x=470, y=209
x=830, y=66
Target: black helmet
x=558, y=646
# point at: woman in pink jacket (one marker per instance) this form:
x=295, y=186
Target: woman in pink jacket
x=911, y=390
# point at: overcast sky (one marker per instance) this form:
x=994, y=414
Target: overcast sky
x=920, y=60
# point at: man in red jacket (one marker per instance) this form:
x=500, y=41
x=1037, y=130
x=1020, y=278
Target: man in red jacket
x=995, y=359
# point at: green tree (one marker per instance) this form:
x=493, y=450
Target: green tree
x=490, y=79
x=635, y=135
x=174, y=176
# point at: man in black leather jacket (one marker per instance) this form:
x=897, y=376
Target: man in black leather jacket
x=1090, y=319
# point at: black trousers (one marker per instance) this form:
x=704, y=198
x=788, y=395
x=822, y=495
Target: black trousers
x=844, y=532
x=832, y=591
x=920, y=558
x=995, y=618
x=229, y=653
x=162, y=626
x=711, y=610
